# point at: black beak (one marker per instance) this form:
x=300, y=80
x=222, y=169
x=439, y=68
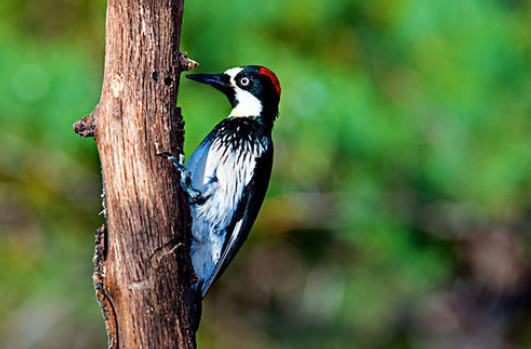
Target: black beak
x=219, y=81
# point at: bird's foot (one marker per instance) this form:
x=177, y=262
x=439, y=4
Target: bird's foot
x=194, y=196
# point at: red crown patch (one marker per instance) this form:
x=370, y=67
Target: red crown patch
x=272, y=77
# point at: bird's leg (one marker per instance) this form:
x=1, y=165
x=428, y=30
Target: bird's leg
x=194, y=196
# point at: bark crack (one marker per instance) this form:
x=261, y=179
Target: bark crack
x=164, y=251
x=98, y=278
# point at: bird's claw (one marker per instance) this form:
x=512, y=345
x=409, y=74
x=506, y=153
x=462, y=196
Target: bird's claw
x=194, y=196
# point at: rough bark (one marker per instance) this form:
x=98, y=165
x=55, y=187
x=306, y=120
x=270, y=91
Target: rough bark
x=142, y=267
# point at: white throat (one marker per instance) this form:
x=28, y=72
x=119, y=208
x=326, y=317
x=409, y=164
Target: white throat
x=246, y=103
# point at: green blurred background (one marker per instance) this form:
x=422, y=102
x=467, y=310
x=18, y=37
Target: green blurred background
x=399, y=210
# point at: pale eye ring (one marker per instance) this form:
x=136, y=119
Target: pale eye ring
x=245, y=81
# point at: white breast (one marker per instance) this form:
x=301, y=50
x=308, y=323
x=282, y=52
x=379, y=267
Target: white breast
x=221, y=174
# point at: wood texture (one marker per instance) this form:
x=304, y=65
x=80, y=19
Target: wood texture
x=142, y=267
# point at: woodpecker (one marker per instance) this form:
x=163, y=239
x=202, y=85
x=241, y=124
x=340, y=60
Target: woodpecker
x=227, y=176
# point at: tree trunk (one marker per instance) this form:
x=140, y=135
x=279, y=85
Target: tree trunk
x=142, y=267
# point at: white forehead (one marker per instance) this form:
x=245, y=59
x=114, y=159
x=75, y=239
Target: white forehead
x=233, y=72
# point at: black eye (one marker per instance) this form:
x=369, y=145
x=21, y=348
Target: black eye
x=245, y=82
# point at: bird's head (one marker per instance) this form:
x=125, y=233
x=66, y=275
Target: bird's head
x=253, y=91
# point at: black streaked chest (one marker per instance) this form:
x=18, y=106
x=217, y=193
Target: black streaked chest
x=242, y=137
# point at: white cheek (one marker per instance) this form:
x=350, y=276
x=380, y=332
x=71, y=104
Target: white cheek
x=248, y=104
